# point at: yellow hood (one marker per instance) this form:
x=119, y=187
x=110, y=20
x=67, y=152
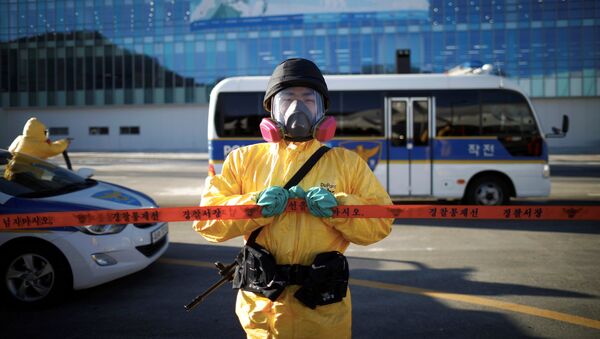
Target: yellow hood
x=34, y=130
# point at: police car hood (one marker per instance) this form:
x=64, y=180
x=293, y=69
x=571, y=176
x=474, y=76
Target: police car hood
x=105, y=196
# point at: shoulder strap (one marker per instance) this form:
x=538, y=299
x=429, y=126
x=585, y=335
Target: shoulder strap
x=295, y=180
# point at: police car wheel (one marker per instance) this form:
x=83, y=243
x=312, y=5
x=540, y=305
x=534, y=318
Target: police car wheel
x=34, y=275
x=487, y=190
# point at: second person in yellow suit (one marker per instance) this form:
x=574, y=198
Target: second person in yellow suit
x=35, y=142
x=295, y=238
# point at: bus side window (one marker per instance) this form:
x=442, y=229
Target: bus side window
x=457, y=113
x=500, y=115
x=357, y=113
x=399, y=123
x=421, y=122
x=444, y=129
x=506, y=115
x=239, y=114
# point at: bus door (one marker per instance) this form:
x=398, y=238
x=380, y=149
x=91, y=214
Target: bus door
x=409, y=146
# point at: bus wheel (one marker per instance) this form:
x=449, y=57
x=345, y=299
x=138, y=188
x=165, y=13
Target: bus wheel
x=487, y=190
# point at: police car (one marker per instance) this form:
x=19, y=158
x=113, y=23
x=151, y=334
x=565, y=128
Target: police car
x=38, y=267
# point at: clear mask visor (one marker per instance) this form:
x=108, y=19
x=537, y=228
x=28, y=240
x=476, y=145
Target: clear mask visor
x=283, y=100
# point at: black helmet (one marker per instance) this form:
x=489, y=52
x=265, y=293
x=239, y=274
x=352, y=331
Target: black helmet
x=296, y=72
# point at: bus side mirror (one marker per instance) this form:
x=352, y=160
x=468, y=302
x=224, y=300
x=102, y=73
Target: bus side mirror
x=560, y=133
x=565, y=124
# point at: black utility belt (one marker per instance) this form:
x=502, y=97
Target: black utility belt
x=294, y=274
x=322, y=283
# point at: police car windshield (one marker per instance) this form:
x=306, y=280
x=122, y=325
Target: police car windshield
x=29, y=177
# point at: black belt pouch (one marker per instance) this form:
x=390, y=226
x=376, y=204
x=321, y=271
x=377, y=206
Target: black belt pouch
x=327, y=282
x=257, y=272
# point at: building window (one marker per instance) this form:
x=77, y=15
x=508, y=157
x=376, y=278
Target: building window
x=130, y=130
x=98, y=130
x=54, y=131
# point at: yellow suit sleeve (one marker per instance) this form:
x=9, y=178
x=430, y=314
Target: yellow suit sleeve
x=55, y=148
x=14, y=146
x=224, y=190
x=365, y=190
x=40, y=148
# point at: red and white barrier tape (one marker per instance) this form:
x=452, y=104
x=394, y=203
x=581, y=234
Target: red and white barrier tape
x=150, y=215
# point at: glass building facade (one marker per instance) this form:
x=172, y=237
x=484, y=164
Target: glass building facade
x=136, y=52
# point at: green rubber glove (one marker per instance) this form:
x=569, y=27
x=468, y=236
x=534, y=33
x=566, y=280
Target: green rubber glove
x=320, y=201
x=297, y=192
x=273, y=201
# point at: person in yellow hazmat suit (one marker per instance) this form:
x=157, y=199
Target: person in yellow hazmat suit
x=297, y=98
x=34, y=141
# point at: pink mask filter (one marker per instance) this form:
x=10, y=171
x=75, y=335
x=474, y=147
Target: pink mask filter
x=325, y=129
x=270, y=130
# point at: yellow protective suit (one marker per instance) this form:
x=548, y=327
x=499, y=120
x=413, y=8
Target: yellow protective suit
x=34, y=142
x=294, y=238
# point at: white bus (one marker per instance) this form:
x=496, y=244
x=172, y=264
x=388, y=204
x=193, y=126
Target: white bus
x=474, y=138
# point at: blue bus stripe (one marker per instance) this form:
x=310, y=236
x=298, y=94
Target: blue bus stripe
x=444, y=149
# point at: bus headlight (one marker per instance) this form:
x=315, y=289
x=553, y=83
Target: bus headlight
x=546, y=171
x=102, y=229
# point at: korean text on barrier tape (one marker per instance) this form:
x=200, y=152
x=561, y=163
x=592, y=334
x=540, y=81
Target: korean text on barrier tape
x=173, y=214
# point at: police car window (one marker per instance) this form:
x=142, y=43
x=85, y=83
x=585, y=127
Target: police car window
x=239, y=114
x=25, y=176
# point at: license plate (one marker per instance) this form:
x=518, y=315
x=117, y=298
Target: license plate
x=160, y=233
